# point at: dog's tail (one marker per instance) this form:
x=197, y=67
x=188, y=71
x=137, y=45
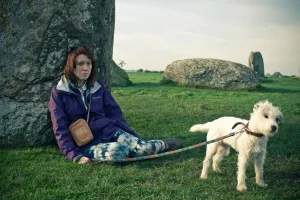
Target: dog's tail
x=201, y=127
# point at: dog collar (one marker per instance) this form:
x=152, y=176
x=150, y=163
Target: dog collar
x=247, y=130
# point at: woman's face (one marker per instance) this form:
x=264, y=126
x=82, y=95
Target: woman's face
x=83, y=67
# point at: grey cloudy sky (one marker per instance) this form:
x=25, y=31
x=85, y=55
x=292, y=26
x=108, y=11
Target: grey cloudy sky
x=150, y=34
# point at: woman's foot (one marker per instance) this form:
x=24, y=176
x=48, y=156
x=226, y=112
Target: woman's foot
x=171, y=144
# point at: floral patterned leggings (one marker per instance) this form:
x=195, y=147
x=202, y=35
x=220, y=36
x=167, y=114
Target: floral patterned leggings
x=123, y=145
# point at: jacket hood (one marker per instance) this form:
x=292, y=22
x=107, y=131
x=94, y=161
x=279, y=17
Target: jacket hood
x=63, y=85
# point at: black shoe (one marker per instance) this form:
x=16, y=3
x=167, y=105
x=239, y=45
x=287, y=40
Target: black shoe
x=171, y=144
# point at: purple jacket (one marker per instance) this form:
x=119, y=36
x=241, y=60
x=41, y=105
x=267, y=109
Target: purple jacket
x=66, y=106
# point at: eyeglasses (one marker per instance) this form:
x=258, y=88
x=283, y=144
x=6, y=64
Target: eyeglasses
x=82, y=63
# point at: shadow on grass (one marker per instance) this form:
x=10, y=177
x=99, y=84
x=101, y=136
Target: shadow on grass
x=150, y=85
x=267, y=81
x=264, y=89
x=145, y=84
x=260, y=88
x=291, y=176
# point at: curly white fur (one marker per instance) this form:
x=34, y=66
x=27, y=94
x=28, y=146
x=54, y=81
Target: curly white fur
x=265, y=119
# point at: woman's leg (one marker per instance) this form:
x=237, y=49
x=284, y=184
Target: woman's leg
x=138, y=147
x=107, y=151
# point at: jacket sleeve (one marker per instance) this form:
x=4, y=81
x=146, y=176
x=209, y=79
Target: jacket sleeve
x=59, y=120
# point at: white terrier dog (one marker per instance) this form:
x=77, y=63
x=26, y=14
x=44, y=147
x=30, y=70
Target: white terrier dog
x=252, y=142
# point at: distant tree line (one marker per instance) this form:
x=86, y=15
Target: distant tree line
x=148, y=71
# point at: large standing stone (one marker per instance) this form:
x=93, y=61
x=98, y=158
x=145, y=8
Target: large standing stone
x=119, y=76
x=210, y=73
x=256, y=63
x=35, y=37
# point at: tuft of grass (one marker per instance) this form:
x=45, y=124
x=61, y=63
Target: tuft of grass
x=158, y=111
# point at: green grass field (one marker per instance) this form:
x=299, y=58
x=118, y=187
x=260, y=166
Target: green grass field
x=160, y=111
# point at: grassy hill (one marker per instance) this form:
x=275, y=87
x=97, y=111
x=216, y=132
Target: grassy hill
x=160, y=111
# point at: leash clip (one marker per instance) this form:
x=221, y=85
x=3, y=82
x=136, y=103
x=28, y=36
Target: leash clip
x=242, y=130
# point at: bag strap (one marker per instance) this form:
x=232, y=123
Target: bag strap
x=88, y=115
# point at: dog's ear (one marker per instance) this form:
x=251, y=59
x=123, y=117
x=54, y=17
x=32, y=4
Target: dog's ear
x=280, y=117
x=259, y=104
x=256, y=106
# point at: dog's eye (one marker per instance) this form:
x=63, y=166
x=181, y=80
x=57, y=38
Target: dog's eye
x=277, y=120
x=266, y=116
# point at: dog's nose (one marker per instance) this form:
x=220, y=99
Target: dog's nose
x=273, y=128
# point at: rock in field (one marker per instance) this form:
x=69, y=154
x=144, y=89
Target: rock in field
x=211, y=73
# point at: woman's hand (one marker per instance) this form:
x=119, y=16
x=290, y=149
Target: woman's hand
x=83, y=160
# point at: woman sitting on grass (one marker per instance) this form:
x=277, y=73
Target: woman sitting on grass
x=113, y=139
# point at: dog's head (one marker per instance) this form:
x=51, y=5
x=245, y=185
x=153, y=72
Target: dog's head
x=266, y=118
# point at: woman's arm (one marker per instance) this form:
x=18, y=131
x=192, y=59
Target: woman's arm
x=60, y=124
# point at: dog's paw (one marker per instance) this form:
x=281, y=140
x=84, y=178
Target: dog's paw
x=203, y=176
x=262, y=184
x=241, y=188
x=217, y=170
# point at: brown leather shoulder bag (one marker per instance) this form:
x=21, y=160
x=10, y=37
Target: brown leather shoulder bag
x=80, y=129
